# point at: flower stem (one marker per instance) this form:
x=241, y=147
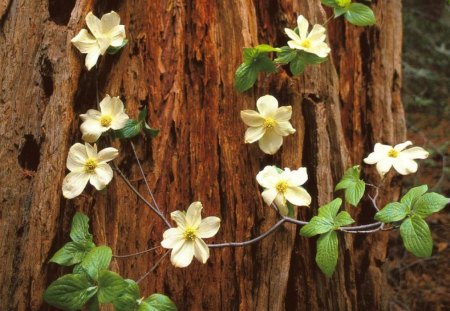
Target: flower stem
x=154, y=267
x=138, y=253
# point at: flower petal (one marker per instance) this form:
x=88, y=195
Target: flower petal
x=295, y=45
x=91, y=114
x=268, y=177
x=106, y=105
x=194, y=214
x=74, y=183
x=317, y=34
x=405, y=166
x=91, y=150
x=384, y=165
x=208, y=227
x=270, y=142
x=374, y=157
x=201, y=250
x=253, y=134
x=280, y=202
x=291, y=34
x=119, y=121
x=172, y=238
x=94, y=24
x=252, y=118
x=91, y=130
x=380, y=148
x=85, y=42
x=91, y=59
x=269, y=195
x=298, y=196
x=179, y=218
x=102, y=176
x=414, y=153
x=267, y=105
x=109, y=21
x=182, y=256
x=117, y=35
x=116, y=105
x=284, y=128
x=303, y=25
x=107, y=154
x=320, y=49
x=402, y=146
x=283, y=113
x=297, y=177
x=76, y=157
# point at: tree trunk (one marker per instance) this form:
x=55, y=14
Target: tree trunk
x=180, y=62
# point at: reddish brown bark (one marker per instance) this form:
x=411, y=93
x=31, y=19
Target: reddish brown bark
x=180, y=62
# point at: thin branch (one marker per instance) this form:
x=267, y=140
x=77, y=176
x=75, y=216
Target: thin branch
x=144, y=177
x=141, y=197
x=154, y=267
x=245, y=243
x=138, y=253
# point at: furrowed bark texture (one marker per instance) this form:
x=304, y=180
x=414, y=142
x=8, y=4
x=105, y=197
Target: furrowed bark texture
x=180, y=63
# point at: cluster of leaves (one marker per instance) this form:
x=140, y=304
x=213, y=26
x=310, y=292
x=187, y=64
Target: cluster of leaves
x=135, y=127
x=411, y=211
x=91, y=283
x=257, y=60
x=355, y=13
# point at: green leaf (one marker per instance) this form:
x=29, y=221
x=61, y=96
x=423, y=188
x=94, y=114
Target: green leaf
x=360, y=15
x=265, y=48
x=317, y=225
x=429, y=203
x=330, y=210
x=143, y=114
x=353, y=185
x=93, y=304
x=115, y=49
x=290, y=208
x=330, y=3
x=392, y=212
x=416, y=236
x=410, y=197
x=69, y=292
x=297, y=66
x=72, y=253
x=265, y=64
x=79, y=231
x=131, y=129
x=128, y=299
x=157, y=302
x=327, y=252
x=343, y=219
x=338, y=11
x=286, y=55
x=245, y=77
x=150, y=131
x=96, y=260
x=311, y=59
x=110, y=286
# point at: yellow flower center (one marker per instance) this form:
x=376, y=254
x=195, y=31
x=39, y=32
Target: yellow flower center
x=269, y=123
x=393, y=153
x=281, y=186
x=105, y=120
x=90, y=165
x=190, y=234
x=343, y=3
x=306, y=44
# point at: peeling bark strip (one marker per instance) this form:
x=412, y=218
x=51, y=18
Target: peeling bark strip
x=180, y=62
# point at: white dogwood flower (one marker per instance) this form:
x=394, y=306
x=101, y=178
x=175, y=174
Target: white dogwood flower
x=110, y=116
x=284, y=186
x=385, y=156
x=186, y=239
x=313, y=42
x=106, y=32
x=85, y=164
x=269, y=125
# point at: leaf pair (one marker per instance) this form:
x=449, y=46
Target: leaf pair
x=297, y=59
x=353, y=185
x=326, y=224
x=355, y=13
x=256, y=60
x=134, y=127
x=413, y=207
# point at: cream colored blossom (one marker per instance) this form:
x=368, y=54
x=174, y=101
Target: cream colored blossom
x=283, y=186
x=110, y=116
x=269, y=125
x=85, y=164
x=186, y=239
x=313, y=42
x=385, y=156
x=106, y=32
